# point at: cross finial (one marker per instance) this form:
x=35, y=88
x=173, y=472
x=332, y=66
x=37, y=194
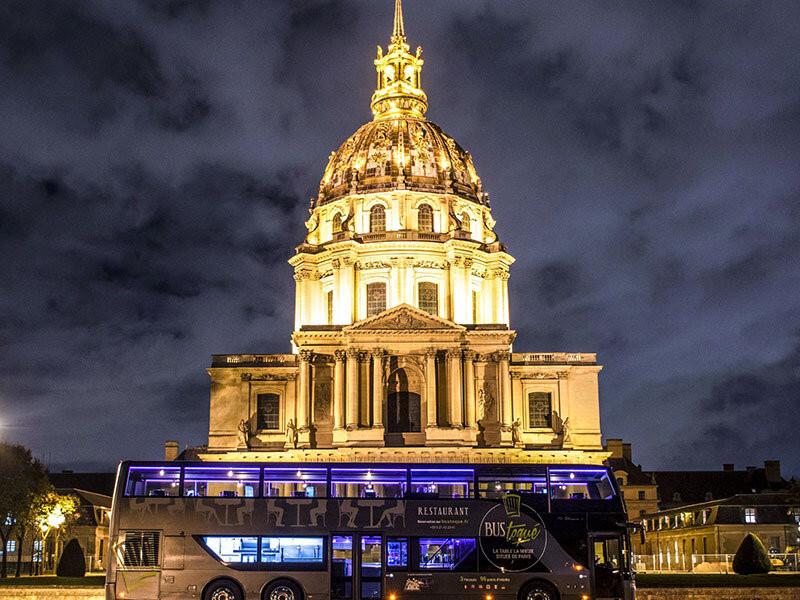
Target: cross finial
x=399, y=32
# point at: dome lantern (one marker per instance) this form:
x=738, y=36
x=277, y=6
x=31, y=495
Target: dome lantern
x=399, y=92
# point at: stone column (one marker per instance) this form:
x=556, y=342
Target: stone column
x=338, y=389
x=469, y=387
x=299, y=299
x=504, y=276
x=504, y=385
x=397, y=286
x=377, y=389
x=455, y=382
x=304, y=399
x=430, y=386
x=304, y=383
x=352, y=389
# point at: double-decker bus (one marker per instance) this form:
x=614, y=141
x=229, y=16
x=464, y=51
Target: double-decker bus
x=247, y=531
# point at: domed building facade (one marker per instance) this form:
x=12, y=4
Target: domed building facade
x=402, y=342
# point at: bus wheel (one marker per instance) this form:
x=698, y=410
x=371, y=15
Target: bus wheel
x=224, y=589
x=538, y=590
x=282, y=590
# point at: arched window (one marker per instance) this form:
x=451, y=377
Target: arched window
x=425, y=218
x=404, y=406
x=376, y=298
x=466, y=222
x=377, y=219
x=428, y=297
x=336, y=224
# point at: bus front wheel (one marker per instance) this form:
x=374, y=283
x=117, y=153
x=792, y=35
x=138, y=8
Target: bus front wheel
x=223, y=589
x=538, y=590
x=282, y=590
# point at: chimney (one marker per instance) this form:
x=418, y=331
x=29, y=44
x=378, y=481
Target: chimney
x=727, y=467
x=171, y=450
x=772, y=471
x=614, y=446
x=627, y=452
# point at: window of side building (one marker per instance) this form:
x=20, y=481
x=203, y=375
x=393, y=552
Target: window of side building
x=540, y=410
x=268, y=412
x=750, y=515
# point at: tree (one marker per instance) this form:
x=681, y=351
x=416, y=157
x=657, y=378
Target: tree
x=72, y=562
x=27, y=521
x=52, y=511
x=751, y=557
x=21, y=478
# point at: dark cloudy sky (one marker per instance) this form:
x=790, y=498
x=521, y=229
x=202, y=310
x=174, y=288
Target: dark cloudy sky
x=157, y=156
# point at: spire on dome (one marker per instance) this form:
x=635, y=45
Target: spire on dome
x=399, y=92
x=399, y=31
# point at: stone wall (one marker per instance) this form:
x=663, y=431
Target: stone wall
x=97, y=593
x=51, y=593
x=727, y=593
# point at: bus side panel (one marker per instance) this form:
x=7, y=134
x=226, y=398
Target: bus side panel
x=137, y=585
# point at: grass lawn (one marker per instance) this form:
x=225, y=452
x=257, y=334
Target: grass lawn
x=716, y=580
x=88, y=581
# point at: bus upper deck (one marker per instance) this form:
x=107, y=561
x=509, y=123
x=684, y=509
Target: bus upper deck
x=546, y=488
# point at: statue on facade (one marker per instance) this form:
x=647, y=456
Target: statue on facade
x=516, y=427
x=565, y=437
x=291, y=434
x=485, y=403
x=245, y=432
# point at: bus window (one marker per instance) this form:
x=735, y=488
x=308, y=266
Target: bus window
x=368, y=483
x=236, y=550
x=295, y=483
x=397, y=553
x=580, y=484
x=221, y=482
x=371, y=570
x=287, y=551
x=497, y=487
x=153, y=481
x=448, y=554
x=139, y=550
x=342, y=567
x=442, y=483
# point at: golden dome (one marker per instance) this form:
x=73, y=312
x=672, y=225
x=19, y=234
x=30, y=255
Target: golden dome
x=400, y=154
x=400, y=149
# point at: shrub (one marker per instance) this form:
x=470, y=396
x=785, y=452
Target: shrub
x=72, y=563
x=751, y=557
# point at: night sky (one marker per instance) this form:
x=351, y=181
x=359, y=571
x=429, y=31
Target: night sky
x=157, y=157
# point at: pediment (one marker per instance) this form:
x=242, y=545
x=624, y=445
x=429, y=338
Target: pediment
x=404, y=318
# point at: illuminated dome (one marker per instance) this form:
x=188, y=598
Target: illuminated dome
x=400, y=149
x=400, y=153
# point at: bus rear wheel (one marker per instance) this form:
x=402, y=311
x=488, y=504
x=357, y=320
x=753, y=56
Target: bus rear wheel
x=224, y=589
x=282, y=590
x=538, y=590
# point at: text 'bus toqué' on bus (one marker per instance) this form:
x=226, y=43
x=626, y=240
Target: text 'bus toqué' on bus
x=313, y=531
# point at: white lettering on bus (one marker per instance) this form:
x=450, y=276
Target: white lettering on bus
x=442, y=511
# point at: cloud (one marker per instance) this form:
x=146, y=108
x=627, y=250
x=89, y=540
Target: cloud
x=157, y=157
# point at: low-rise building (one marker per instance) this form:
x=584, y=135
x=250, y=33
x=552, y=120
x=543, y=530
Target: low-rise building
x=638, y=488
x=688, y=537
